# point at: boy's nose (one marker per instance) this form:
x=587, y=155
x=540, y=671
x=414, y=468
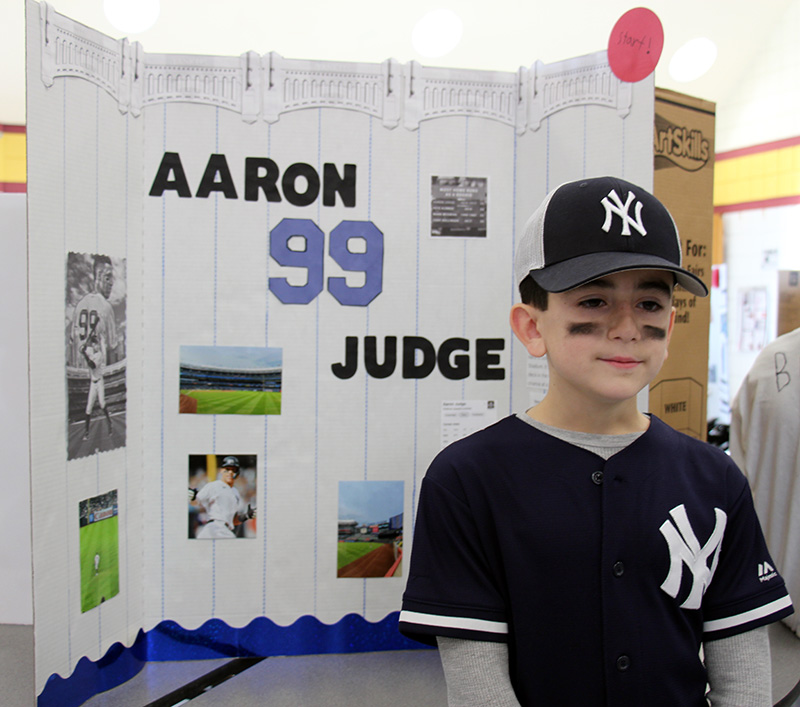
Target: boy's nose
x=623, y=325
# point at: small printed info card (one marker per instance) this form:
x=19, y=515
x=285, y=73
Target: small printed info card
x=463, y=417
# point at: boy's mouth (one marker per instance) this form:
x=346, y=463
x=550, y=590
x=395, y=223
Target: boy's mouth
x=622, y=362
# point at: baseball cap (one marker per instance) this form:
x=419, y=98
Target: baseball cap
x=589, y=228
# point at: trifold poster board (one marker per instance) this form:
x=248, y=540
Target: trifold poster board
x=306, y=265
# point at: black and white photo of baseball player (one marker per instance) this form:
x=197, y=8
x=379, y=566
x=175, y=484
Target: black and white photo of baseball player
x=95, y=353
x=222, y=490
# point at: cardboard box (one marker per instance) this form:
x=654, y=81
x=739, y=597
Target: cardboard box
x=683, y=179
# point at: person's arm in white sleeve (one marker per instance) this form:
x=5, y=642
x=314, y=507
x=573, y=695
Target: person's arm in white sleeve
x=740, y=670
x=476, y=673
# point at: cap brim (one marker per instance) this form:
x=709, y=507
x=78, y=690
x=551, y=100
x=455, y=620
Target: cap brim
x=572, y=273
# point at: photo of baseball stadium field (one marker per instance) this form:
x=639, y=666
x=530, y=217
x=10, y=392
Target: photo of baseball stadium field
x=370, y=540
x=99, y=549
x=230, y=380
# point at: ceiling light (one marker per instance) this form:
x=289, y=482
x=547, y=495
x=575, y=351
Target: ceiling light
x=132, y=16
x=693, y=59
x=437, y=33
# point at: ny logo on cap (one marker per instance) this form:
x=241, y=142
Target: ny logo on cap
x=684, y=548
x=621, y=210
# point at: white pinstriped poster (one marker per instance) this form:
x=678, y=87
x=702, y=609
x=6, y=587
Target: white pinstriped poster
x=358, y=219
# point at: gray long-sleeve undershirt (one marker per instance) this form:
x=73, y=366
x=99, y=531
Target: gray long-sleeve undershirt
x=739, y=671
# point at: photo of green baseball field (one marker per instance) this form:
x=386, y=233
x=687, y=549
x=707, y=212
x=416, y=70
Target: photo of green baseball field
x=370, y=536
x=99, y=549
x=230, y=380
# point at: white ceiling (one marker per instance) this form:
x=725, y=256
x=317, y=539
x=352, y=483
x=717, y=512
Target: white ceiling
x=499, y=35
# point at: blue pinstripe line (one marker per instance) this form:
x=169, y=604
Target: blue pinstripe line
x=316, y=449
x=213, y=577
x=585, y=137
x=466, y=146
x=464, y=255
x=216, y=264
x=97, y=181
x=316, y=386
x=369, y=181
x=366, y=408
x=624, y=124
x=547, y=160
x=464, y=293
x=263, y=513
x=419, y=196
x=163, y=358
x=97, y=250
x=371, y=121
x=64, y=250
x=366, y=377
x=513, y=277
x=214, y=338
x=364, y=597
x=416, y=332
x=216, y=227
x=127, y=460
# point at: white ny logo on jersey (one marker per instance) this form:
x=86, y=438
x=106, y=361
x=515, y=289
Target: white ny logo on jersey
x=621, y=210
x=684, y=547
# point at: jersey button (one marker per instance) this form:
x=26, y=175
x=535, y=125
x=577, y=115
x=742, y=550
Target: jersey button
x=618, y=569
x=623, y=663
x=597, y=477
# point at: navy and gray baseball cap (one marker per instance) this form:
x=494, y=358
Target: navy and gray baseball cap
x=590, y=228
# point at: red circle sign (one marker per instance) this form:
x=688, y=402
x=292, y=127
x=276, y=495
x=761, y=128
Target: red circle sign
x=635, y=44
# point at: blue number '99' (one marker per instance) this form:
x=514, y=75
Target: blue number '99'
x=310, y=258
x=370, y=262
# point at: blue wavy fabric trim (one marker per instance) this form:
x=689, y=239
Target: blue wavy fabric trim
x=118, y=665
x=215, y=639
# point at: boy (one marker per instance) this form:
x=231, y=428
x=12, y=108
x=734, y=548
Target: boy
x=580, y=553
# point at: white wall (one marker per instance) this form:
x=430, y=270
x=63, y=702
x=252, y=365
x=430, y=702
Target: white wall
x=758, y=243
x=15, y=527
x=764, y=109
x=766, y=106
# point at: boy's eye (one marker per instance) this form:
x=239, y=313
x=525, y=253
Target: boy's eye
x=651, y=306
x=591, y=303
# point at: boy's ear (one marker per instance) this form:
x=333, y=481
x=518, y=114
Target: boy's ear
x=524, y=323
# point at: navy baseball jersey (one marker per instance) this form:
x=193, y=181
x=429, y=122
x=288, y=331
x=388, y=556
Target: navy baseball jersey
x=604, y=577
